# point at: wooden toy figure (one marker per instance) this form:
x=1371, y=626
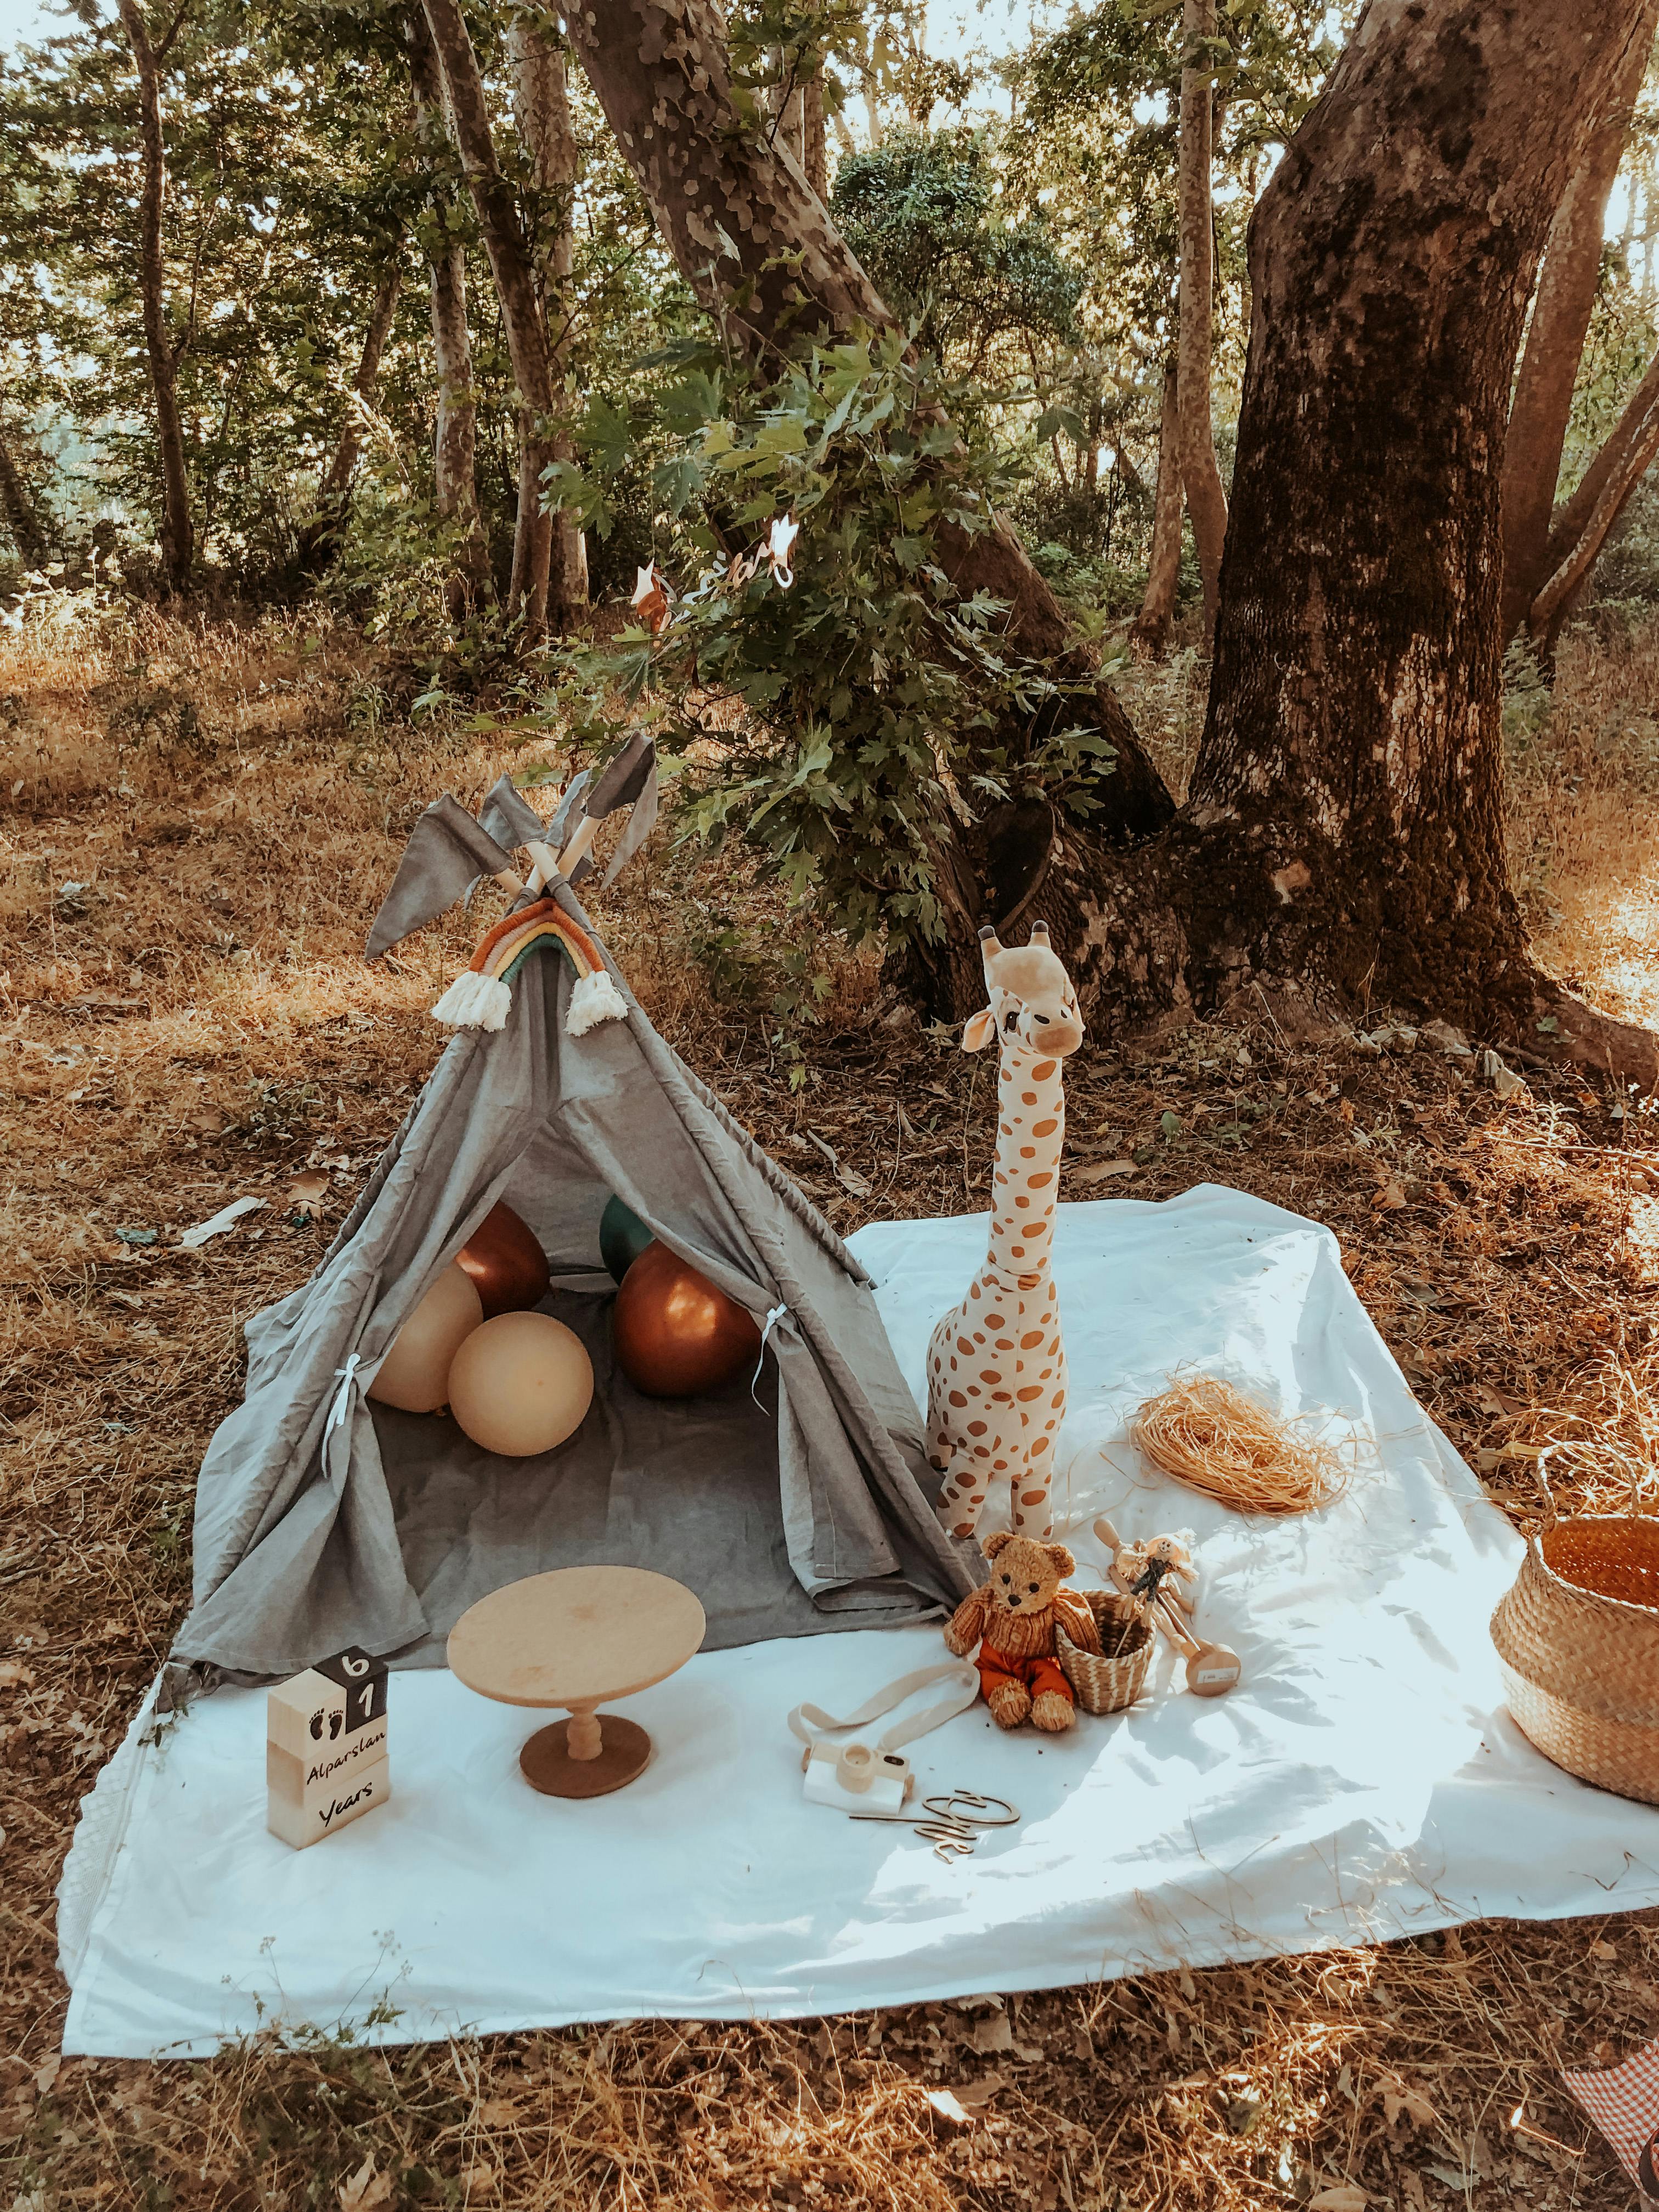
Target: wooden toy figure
x=996, y=1367
x=326, y=1748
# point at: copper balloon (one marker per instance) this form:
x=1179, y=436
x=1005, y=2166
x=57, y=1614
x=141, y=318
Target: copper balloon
x=676, y=1333
x=508, y=1265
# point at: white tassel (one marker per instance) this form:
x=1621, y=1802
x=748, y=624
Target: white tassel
x=474, y=1002
x=595, y=999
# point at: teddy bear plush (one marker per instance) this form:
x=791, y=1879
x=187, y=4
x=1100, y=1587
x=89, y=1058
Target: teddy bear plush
x=1012, y=1618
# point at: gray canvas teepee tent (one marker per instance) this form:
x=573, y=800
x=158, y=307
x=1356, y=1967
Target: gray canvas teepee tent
x=797, y=1504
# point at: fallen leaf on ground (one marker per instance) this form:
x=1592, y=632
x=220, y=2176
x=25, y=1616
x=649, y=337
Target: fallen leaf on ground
x=992, y=2032
x=216, y=1224
x=948, y=2108
x=14, y=1671
x=1345, y=2198
x=366, y=2188
x=848, y=1178
x=1101, y=1169
x=305, y=1191
x=976, y=2093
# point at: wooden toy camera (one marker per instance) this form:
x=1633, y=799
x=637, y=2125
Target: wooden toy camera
x=856, y=1779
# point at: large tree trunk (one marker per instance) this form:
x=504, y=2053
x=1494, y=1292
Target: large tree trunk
x=320, y=537
x=177, y=532
x=512, y=266
x=542, y=110
x=1153, y=622
x=1206, y=500
x=757, y=245
x=1555, y=342
x=454, y=444
x=1344, y=829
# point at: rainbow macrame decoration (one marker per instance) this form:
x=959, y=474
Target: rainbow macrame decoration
x=481, y=997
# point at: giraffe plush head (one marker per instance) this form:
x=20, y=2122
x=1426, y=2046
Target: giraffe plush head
x=1031, y=1004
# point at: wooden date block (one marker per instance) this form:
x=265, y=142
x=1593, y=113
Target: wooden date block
x=326, y=1748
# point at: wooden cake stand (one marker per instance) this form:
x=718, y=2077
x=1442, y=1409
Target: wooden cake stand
x=573, y=1638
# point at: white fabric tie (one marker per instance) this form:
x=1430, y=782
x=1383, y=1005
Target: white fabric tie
x=778, y=1313
x=342, y=1405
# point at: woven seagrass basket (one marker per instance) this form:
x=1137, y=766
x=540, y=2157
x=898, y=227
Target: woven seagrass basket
x=1577, y=1640
x=1107, y=1683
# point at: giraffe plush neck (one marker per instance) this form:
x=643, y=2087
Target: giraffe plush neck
x=996, y=1366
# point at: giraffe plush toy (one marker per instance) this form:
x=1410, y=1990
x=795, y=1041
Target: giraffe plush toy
x=996, y=1370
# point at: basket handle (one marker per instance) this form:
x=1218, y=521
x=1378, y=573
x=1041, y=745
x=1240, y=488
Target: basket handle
x=1551, y=1512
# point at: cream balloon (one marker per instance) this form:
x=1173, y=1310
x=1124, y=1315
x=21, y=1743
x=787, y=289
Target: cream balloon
x=521, y=1384
x=415, y=1373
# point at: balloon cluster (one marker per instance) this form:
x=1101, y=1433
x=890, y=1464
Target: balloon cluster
x=517, y=1382
x=676, y=1333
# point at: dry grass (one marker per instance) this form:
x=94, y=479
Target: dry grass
x=198, y=1025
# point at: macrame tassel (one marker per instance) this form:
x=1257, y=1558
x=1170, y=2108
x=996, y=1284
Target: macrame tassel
x=474, y=1002
x=595, y=999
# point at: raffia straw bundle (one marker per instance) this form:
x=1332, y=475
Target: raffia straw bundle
x=1215, y=1440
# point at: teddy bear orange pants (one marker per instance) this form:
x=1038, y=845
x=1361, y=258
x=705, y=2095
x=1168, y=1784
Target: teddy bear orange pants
x=1036, y=1675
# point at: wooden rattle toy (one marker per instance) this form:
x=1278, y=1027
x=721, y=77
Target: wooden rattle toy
x=1152, y=1573
x=326, y=1748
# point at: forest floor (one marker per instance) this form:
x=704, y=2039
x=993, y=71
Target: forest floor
x=195, y=828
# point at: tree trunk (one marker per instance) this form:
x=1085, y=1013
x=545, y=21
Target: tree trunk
x=719, y=189
x=1153, y=622
x=1344, y=830
x=542, y=112
x=1206, y=500
x=177, y=532
x=320, y=537
x=1560, y=318
x=18, y=512
x=454, y=473
x=1586, y=520
x=512, y=266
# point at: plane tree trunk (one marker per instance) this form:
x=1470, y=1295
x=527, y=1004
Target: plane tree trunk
x=542, y=112
x=1206, y=500
x=454, y=443
x=513, y=266
x=1157, y=617
x=1344, y=829
x=177, y=529
x=319, y=539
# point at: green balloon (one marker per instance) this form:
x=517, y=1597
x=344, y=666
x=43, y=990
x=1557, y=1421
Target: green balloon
x=623, y=1238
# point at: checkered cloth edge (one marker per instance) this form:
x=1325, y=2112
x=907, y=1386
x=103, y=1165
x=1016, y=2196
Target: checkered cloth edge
x=1624, y=2103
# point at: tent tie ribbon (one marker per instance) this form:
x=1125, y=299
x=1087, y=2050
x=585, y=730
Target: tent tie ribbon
x=339, y=1410
x=778, y=1313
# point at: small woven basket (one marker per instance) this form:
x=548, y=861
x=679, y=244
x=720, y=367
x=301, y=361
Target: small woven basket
x=1578, y=1639
x=1108, y=1683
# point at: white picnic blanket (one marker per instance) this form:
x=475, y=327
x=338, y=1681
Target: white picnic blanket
x=1363, y=1782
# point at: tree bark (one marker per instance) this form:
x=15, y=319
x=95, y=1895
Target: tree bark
x=1206, y=500
x=1344, y=828
x=1555, y=342
x=755, y=242
x=320, y=537
x=178, y=530
x=1153, y=622
x=454, y=444
x=542, y=112
x=18, y=509
x=514, y=268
